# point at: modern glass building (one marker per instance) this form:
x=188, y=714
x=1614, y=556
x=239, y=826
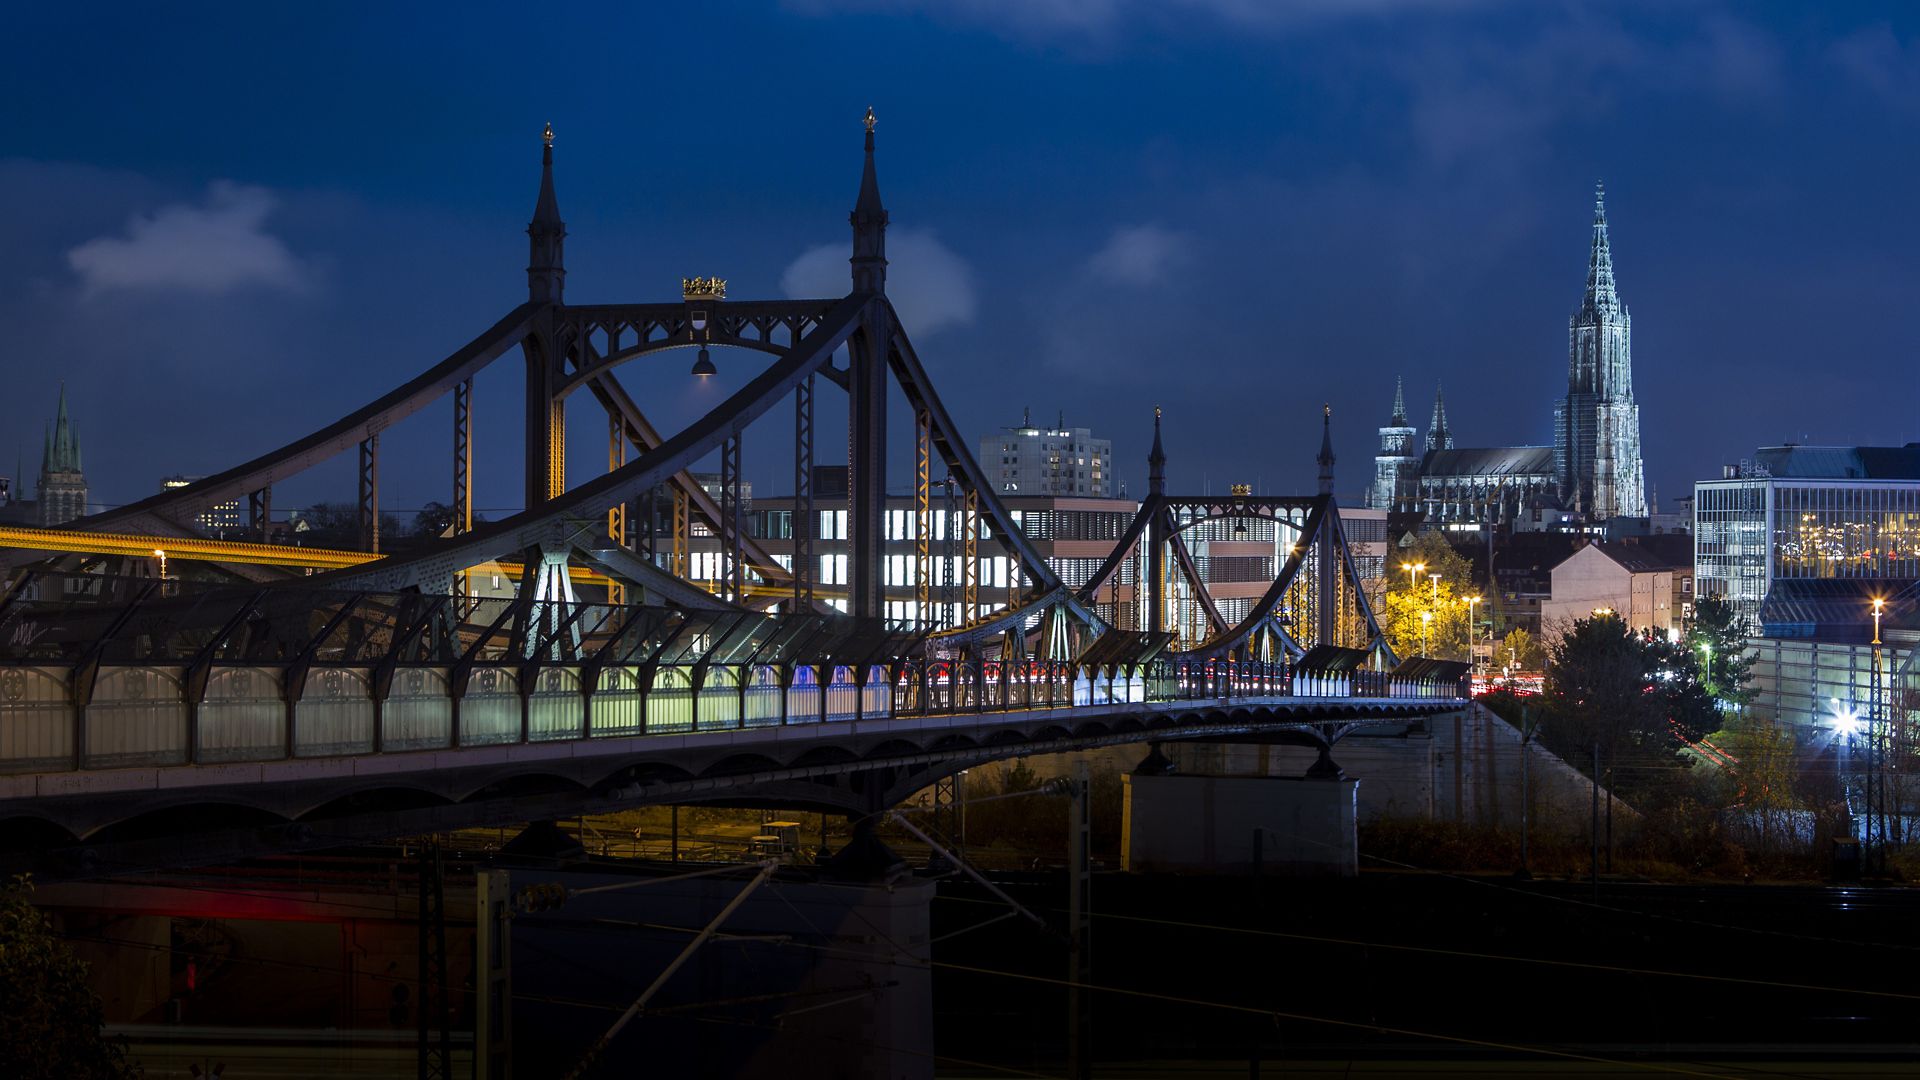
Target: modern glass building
x=1802, y=514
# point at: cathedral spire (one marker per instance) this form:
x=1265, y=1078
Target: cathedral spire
x=1600, y=297
x=1156, y=460
x=1439, y=436
x=62, y=489
x=546, y=235
x=869, y=220
x=63, y=446
x=1399, y=402
x=1326, y=459
x=1596, y=427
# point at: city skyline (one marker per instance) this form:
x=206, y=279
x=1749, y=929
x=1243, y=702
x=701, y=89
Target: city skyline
x=272, y=265
x=492, y=459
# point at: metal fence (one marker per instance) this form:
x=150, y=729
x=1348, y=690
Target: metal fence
x=104, y=673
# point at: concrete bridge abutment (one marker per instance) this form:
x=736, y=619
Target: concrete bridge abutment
x=1173, y=821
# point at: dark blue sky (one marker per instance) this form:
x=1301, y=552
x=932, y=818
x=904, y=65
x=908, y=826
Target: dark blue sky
x=227, y=227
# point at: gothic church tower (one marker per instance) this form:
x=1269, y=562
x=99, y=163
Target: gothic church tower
x=1596, y=429
x=1395, y=469
x=63, y=486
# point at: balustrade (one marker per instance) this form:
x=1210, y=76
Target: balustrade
x=142, y=715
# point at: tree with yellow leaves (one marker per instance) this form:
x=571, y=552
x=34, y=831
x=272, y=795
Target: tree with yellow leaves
x=1425, y=611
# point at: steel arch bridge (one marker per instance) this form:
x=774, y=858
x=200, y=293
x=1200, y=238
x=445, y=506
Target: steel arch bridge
x=124, y=697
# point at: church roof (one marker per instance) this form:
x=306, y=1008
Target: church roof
x=1647, y=554
x=1489, y=461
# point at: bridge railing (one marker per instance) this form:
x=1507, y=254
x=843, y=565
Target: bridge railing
x=160, y=714
x=97, y=675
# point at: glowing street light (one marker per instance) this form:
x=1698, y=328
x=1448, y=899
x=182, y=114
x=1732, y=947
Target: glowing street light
x=1414, y=570
x=1879, y=607
x=1435, y=578
x=1471, y=601
x=703, y=364
x=1845, y=720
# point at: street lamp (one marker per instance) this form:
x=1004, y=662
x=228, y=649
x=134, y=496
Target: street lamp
x=703, y=364
x=1435, y=578
x=1414, y=570
x=1426, y=620
x=1471, y=662
x=1876, y=761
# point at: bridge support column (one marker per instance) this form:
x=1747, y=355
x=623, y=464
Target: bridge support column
x=546, y=420
x=368, y=513
x=1155, y=763
x=867, y=462
x=866, y=857
x=804, y=521
x=1324, y=767
x=1326, y=559
x=1209, y=824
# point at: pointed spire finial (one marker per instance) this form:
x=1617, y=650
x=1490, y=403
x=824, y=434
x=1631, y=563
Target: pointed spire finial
x=1399, y=402
x=1156, y=460
x=546, y=234
x=63, y=442
x=1601, y=298
x=1439, y=436
x=1325, y=458
x=869, y=219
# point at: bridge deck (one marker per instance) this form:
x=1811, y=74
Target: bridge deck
x=770, y=740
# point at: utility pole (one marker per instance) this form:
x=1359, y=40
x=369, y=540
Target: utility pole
x=1079, y=1014
x=1609, y=814
x=492, y=976
x=433, y=1051
x=1526, y=738
x=1593, y=826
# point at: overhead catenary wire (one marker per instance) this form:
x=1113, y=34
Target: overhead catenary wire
x=1468, y=954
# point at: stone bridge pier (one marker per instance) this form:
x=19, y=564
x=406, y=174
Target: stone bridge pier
x=1213, y=821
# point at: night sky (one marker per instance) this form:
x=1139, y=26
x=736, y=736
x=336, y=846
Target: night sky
x=227, y=226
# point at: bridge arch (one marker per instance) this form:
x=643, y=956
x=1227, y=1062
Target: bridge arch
x=376, y=799
x=32, y=832
x=196, y=815
x=738, y=764
x=588, y=374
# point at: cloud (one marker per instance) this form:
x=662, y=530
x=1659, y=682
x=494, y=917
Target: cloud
x=1140, y=255
x=215, y=248
x=1488, y=97
x=1739, y=60
x=1878, y=60
x=930, y=286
